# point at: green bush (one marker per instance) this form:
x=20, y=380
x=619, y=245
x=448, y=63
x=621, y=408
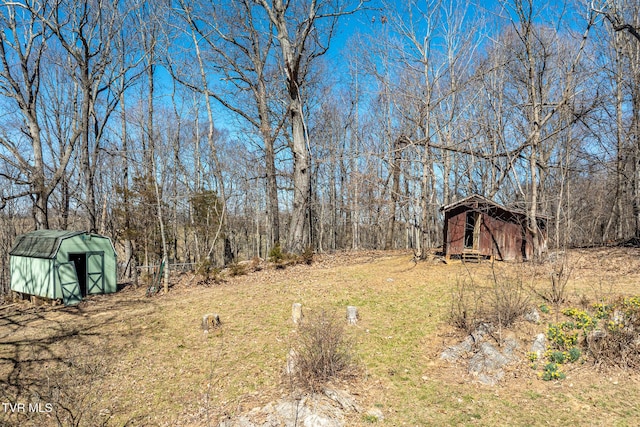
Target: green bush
x=557, y=357
x=562, y=335
x=552, y=372
x=574, y=354
x=276, y=254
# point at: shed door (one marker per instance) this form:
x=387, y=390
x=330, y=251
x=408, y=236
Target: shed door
x=472, y=231
x=95, y=272
x=69, y=283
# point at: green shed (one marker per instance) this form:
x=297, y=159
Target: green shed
x=63, y=264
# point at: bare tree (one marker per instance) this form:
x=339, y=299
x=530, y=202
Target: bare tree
x=304, y=31
x=540, y=104
x=87, y=32
x=614, y=12
x=23, y=44
x=238, y=42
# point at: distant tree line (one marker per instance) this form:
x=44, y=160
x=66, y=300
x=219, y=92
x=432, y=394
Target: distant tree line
x=214, y=131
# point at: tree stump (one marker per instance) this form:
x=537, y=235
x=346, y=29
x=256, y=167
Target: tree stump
x=296, y=312
x=352, y=315
x=210, y=321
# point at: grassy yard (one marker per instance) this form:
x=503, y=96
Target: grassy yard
x=126, y=358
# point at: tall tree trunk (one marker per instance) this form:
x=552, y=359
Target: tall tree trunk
x=636, y=171
x=85, y=154
x=301, y=175
x=396, y=148
x=425, y=185
x=615, y=216
x=634, y=57
x=534, y=135
x=273, y=212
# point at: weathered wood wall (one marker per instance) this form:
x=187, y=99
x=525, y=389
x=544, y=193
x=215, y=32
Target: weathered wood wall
x=503, y=234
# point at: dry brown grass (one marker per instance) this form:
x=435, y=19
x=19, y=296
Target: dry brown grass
x=158, y=368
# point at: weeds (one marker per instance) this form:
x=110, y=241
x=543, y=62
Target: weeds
x=307, y=255
x=209, y=273
x=73, y=392
x=322, y=350
x=616, y=342
x=237, y=269
x=510, y=300
x=556, y=293
x=506, y=301
x=466, y=305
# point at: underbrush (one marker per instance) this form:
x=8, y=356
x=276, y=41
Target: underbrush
x=501, y=303
x=605, y=334
x=282, y=259
x=322, y=351
x=615, y=339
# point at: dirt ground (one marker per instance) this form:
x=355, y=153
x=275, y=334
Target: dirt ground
x=129, y=359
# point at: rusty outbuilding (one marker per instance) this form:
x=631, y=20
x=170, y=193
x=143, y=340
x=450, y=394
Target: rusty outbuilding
x=476, y=227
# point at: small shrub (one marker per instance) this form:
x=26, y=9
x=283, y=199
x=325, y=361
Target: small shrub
x=558, y=357
x=544, y=308
x=510, y=300
x=574, y=354
x=256, y=264
x=562, y=336
x=466, y=306
x=552, y=372
x=237, y=269
x=204, y=267
x=307, y=255
x=559, y=276
x=282, y=259
x=323, y=351
x=209, y=273
x=276, y=254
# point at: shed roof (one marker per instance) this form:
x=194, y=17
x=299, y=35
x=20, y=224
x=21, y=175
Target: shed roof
x=41, y=243
x=486, y=202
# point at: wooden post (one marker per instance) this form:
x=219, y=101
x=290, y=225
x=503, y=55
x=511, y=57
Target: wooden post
x=352, y=315
x=296, y=312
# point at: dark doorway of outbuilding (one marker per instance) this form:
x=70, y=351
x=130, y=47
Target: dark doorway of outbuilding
x=80, y=263
x=471, y=230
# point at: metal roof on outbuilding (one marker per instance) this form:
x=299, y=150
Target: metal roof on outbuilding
x=41, y=243
x=481, y=200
